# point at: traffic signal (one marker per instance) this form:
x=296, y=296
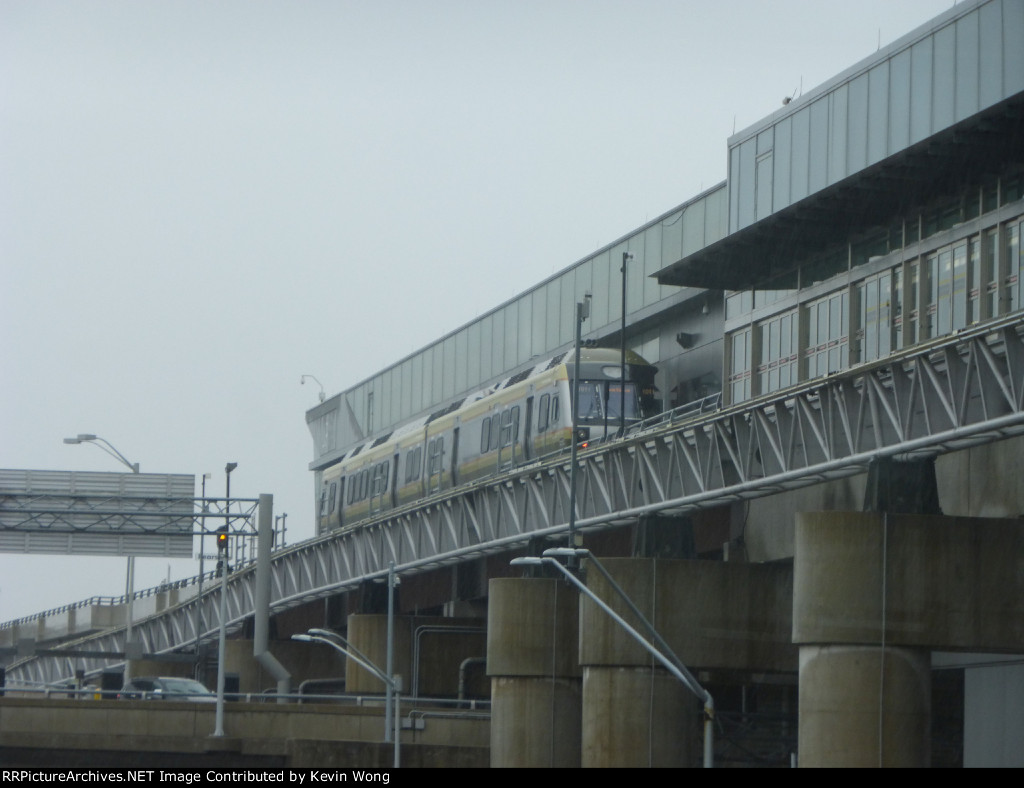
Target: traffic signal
x=222, y=539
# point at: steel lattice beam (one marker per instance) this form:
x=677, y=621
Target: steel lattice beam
x=948, y=394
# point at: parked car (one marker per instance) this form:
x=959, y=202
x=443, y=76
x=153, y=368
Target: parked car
x=166, y=688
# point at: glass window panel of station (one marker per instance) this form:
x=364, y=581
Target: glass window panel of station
x=960, y=289
x=990, y=272
x=875, y=298
x=739, y=365
x=939, y=267
x=976, y=280
x=1014, y=266
x=437, y=375
x=779, y=352
x=538, y=322
x=828, y=338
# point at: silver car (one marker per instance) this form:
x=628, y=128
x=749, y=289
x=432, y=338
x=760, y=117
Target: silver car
x=166, y=688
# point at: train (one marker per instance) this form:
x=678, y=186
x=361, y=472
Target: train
x=516, y=421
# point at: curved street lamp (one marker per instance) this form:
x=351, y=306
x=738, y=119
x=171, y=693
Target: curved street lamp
x=318, y=636
x=129, y=583
x=104, y=444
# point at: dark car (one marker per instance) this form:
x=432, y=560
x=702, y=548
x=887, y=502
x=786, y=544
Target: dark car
x=166, y=688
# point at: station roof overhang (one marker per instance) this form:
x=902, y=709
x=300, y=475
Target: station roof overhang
x=984, y=144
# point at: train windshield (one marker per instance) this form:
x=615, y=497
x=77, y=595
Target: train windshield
x=601, y=400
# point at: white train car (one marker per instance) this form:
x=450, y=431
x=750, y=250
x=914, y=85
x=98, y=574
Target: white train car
x=519, y=420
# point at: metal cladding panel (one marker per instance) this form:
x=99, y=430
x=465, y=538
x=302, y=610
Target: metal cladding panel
x=87, y=513
x=946, y=71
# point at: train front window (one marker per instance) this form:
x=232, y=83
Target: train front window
x=615, y=401
x=591, y=395
x=600, y=400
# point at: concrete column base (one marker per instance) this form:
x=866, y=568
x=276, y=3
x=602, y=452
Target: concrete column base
x=532, y=632
x=637, y=717
x=865, y=706
x=535, y=722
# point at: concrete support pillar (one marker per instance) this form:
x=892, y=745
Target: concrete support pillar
x=369, y=634
x=532, y=632
x=873, y=594
x=636, y=717
x=865, y=706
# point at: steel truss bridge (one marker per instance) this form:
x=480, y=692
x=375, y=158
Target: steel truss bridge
x=947, y=394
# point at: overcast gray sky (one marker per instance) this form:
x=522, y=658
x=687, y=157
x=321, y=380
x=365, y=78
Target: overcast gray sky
x=202, y=201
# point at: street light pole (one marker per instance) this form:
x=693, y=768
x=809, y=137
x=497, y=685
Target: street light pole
x=202, y=568
x=626, y=257
x=351, y=652
x=222, y=635
x=582, y=313
x=129, y=580
x=390, y=669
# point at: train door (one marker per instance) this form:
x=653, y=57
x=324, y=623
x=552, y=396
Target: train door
x=394, y=479
x=527, y=442
x=378, y=486
x=455, y=455
x=341, y=501
x=435, y=463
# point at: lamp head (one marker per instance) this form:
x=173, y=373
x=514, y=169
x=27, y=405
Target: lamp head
x=526, y=561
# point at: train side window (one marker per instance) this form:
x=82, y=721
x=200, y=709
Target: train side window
x=323, y=501
x=379, y=482
x=412, y=465
x=485, y=436
x=334, y=498
x=351, y=491
x=515, y=424
x=436, y=455
x=542, y=413
x=506, y=428
x=364, y=478
x=554, y=409
x=495, y=432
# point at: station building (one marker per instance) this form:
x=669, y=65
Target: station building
x=878, y=211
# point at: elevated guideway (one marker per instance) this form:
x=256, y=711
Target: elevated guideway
x=948, y=394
